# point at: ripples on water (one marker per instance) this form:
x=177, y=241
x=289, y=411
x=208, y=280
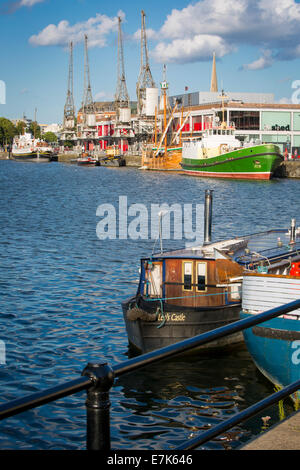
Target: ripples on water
x=61, y=289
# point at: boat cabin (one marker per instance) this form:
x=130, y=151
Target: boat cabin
x=211, y=275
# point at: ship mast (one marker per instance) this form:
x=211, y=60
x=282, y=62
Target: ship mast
x=223, y=96
x=164, y=87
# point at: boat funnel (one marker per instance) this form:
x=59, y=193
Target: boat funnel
x=208, y=216
x=293, y=231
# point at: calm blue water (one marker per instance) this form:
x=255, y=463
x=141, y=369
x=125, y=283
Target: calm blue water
x=60, y=294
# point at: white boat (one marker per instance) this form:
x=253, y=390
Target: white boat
x=26, y=148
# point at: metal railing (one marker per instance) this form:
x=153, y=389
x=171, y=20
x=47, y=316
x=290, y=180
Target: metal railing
x=98, y=378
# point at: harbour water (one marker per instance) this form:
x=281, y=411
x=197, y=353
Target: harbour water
x=60, y=306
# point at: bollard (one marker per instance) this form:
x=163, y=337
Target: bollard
x=98, y=405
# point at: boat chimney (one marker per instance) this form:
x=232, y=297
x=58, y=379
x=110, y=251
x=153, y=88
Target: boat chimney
x=208, y=216
x=293, y=231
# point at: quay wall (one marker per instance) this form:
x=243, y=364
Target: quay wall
x=131, y=160
x=288, y=169
x=3, y=155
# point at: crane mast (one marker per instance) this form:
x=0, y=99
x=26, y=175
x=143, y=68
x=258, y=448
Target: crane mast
x=121, y=96
x=69, y=109
x=145, y=79
x=88, y=106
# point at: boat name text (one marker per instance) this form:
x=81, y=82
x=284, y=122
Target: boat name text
x=172, y=317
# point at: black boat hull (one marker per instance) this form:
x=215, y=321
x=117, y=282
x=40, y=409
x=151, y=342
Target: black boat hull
x=146, y=334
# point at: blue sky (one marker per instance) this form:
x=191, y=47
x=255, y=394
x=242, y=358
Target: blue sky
x=257, y=43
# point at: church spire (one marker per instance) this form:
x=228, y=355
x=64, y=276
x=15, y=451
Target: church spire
x=214, y=80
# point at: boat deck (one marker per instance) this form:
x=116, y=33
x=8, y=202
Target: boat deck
x=270, y=245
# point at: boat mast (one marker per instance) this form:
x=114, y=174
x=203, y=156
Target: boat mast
x=164, y=87
x=223, y=96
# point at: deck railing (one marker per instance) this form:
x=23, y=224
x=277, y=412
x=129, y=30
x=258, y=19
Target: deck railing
x=98, y=378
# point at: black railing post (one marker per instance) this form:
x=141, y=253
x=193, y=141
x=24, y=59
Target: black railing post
x=98, y=405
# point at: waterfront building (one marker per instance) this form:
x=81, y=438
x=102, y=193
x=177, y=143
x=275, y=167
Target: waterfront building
x=255, y=117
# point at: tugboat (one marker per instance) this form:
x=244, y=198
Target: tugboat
x=217, y=153
x=184, y=293
x=275, y=344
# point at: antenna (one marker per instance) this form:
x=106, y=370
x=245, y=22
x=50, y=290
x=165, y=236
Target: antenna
x=69, y=109
x=88, y=106
x=145, y=79
x=121, y=96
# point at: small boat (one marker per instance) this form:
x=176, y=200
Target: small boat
x=28, y=149
x=164, y=156
x=161, y=160
x=87, y=160
x=116, y=160
x=275, y=344
x=184, y=293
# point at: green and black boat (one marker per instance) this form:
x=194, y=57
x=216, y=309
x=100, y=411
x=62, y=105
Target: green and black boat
x=219, y=154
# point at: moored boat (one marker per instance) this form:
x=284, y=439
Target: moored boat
x=87, y=160
x=275, y=344
x=28, y=149
x=113, y=161
x=184, y=293
x=218, y=154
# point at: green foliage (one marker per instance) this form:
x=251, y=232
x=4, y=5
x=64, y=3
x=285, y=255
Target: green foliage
x=69, y=144
x=49, y=137
x=7, y=131
x=35, y=129
x=21, y=127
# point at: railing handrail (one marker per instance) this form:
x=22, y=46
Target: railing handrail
x=98, y=378
x=200, y=340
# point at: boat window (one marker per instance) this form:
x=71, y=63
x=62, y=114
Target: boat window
x=187, y=275
x=201, y=276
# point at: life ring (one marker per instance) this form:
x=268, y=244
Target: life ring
x=223, y=148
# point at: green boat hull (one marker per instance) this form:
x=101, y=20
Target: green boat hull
x=258, y=162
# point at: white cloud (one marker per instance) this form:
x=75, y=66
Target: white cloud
x=265, y=61
x=10, y=6
x=285, y=101
x=186, y=50
x=273, y=26
x=150, y=33
x=97, y=28
x=29, y=3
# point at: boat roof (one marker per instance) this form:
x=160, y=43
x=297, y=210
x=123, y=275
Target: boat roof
x=252, y=249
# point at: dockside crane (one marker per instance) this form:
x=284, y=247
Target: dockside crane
x=69, y=109
x=121, y=96
x=145, y=79
x=88, y=106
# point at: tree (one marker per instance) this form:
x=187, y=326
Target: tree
x=35, y=129
x=7, y=131
x=21, y=127
x=69, y=144
x=49, y=137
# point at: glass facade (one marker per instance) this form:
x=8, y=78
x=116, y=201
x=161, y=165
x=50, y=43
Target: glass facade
x=296, y=123
x=275, y=121
x=246, y=120
x=282, y=140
